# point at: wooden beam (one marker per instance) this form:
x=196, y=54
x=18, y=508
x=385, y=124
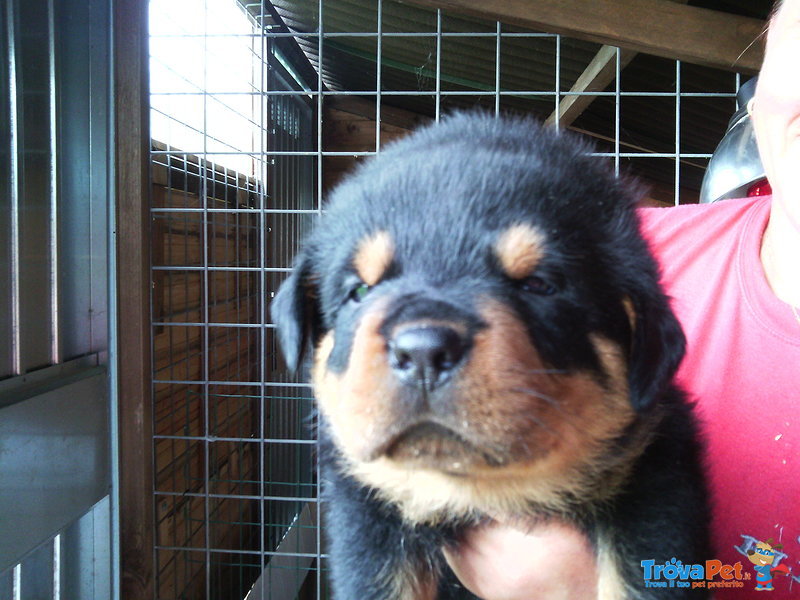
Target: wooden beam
x=600, y=72
x=134, y=393
x=397, y=117
x=696, y=35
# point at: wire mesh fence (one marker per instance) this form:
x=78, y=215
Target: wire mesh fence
x=257, y=110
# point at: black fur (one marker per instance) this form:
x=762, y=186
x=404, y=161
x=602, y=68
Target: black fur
x=443, y=194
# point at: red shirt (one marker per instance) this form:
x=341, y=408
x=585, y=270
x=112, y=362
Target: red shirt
x=743, y=369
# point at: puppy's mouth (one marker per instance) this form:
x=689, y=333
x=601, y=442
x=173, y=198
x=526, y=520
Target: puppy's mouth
x=433, y=445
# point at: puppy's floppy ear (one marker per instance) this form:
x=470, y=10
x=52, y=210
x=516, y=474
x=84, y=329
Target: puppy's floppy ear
x=657, y=349
x=296, y=312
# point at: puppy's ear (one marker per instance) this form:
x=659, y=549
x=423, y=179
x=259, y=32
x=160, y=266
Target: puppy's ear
x=296, y=313
x=657, y=349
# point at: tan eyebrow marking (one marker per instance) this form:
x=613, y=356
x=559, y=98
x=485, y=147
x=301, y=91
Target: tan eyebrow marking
x=519, y=249
x=373, y=257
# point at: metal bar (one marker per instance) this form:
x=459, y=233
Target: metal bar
x=14, y=143
x=557, y=97
x=214, y=324
x=617, y=100
x=521, y=93
x=17, y=582
x=225, y=269
x=362, y=34
x=236, y=552
x=648, y=153
x=378, y=67
x=277, y=384
x=497, y=65
x=253, y=211
x=212, y=438
x=6, y=193
x=439, y=36
x=55, y=352
x=309, y=499
x=737, y=85
x=303, y=153
x=57, y=567
x=205, y=336
x=320, y=124
x=677, y=132
x=262, y=339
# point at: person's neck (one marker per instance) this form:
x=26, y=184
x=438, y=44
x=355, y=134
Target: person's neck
x=780, y=255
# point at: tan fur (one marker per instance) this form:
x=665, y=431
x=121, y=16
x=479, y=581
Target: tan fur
x=546, y=434
x=519, y=249
x=613, y=361
x=610, y=584
x=411, y=583
x=357, y=403
x=627, y=304
x=373, y=257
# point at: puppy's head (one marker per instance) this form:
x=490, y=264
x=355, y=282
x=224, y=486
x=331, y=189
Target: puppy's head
x=486, y=322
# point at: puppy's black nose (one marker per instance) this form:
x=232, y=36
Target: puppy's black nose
x=426, y=356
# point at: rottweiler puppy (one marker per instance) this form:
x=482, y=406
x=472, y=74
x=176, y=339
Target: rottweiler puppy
x=488, y=338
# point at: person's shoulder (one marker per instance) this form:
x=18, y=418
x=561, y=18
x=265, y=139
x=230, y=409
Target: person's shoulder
x=695, y=223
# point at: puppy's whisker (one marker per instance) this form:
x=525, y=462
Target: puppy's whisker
x=554, y=402
x=537, y=371
x=512, y=371
x=540, y=424
x=531, y=392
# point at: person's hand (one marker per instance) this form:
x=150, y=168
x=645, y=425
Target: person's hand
x=500, y=562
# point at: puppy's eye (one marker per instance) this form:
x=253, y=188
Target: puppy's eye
x=538, y=285
x=359, y=292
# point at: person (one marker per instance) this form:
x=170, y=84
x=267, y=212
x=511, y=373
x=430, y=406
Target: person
x=732, y=270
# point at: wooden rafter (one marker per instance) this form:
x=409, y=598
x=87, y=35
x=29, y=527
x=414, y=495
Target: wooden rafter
x=597, y=75
x=600, y=72
x=660, y=27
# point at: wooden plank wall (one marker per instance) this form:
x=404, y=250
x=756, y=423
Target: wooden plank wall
x=349, y=126
x=185, y=468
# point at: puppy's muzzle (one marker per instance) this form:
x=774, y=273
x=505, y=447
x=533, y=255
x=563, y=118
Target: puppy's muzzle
x=426, y=356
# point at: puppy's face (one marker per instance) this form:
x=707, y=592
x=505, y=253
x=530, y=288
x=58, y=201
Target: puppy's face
x=475, y=319
x=492, y=368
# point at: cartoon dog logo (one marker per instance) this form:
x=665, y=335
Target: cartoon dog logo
x=762, y=557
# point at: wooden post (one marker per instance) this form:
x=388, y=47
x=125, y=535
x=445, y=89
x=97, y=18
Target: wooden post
x=135, y=420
